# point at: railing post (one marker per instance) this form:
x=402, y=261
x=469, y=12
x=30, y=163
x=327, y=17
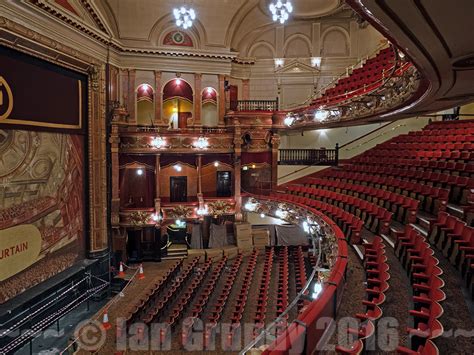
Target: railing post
x=337, y=154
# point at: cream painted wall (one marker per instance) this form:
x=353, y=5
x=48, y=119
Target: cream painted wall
x=369, y=136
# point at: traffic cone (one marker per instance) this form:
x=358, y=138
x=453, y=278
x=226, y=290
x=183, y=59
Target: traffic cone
x=121, y=273
x=105, y=321
x=141, y=275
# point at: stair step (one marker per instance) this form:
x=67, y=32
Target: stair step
x=173, y=257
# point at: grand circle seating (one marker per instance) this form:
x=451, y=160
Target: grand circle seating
x=376, y=218
x=363, y=80
x=403, y=207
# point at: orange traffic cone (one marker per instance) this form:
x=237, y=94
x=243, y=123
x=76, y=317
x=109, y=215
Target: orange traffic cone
x=121, y=273
x=105, y=321
x=141, y=275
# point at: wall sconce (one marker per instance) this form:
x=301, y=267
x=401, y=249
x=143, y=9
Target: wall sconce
x=139, y=172
x=202, y=211
x=201, y=143
x=279, y=62
x=216, y=164
x=156, y=217
x=316, y=62
x=245, y=167
x=158, y=142
x=289, y=119
x=178, y=167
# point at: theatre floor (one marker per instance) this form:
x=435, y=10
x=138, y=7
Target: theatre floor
x=156, y=271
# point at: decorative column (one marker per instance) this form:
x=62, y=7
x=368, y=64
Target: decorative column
x=158, y=98
x=157, y=184
x=221, y=99
x=98, y=241
x=197, y=99
x=246, y=89
x=199, y=193
x=275, y=145
x=131, y=96
x=237, y=170
x=114, y=141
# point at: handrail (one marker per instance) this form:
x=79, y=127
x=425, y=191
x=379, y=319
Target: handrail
x=313, y=96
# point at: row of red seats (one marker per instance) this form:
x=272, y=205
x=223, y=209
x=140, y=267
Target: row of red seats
x=147, y=302
x=240, y=302
x=185, y=300
x=447, y=167
x=262, y=300
x=377, y=276
x=203, y=299
x=463, y=156
x=450, y=137
x=403, y=207
x=282, y=300
x=376, y=218
x=300, y=273
x=217, y=308
x=456, y=239
x=165, y=301
x=437, y=125
x=350, y=224
x=458, y=186
x=432, y=199
x=416, y=145
x=417, y=257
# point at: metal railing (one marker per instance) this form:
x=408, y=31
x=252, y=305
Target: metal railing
x=257, y=105
x=310, y=157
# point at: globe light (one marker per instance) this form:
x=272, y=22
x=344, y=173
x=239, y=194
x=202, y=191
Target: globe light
x=140, y=172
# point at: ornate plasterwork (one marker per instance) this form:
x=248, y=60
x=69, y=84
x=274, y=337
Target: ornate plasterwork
x=21, y=38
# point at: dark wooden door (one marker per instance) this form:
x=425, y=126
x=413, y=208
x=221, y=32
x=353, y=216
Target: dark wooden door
x=224, y=184
x=178, y=189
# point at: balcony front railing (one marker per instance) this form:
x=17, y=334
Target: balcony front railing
x=328, y=157
x=257, y=105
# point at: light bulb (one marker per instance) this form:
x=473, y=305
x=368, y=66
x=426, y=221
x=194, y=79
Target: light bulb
x=140, y=172
x=182, y=10
x=262, y=215
x=216, y=164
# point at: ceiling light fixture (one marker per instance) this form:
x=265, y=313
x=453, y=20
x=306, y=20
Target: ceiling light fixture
x=184, y=17
x=281, y=10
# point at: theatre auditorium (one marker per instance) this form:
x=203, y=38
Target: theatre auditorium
x=252, y=177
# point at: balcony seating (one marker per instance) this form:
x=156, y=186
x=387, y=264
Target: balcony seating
x=432, y=199
x=376, y=218
x=363, y=80
x=404, y=208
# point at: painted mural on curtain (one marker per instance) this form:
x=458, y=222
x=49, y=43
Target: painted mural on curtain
x=41, y=207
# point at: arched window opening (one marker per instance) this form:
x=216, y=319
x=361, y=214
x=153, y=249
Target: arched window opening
x=145, y=105
x=177, y=103
x=209, y=115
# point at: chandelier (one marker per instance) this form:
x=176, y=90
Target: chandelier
x=184, y=17
x=281, y=10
